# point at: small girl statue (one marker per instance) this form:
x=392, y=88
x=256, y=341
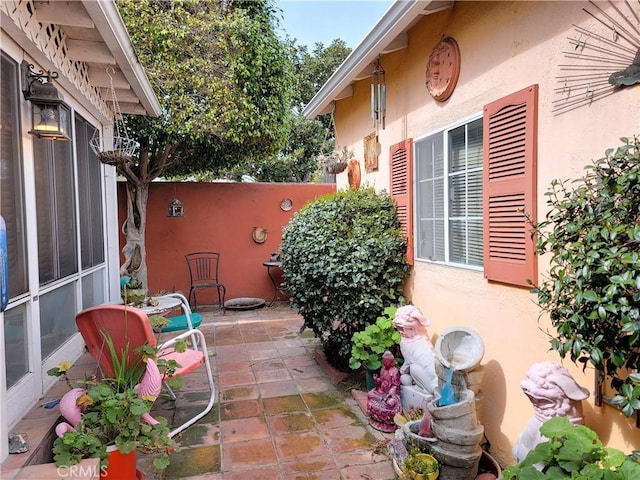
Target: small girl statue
x=417, y=350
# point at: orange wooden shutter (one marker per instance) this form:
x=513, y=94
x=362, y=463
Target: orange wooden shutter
x=510, y=128
x=401, y=189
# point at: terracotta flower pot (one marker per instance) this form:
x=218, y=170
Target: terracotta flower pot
x=122, y=466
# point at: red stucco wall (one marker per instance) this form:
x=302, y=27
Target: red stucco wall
x=218, y=217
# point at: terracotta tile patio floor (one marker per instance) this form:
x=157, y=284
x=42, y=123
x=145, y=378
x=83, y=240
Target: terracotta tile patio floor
x=278, y=415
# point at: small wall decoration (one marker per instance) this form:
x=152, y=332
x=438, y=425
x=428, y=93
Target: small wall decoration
x=371, y=152
x=443, y=69
x=600, y=59
x=353, y=174
x=286, y=204
x=259, y=234
x=176, y=209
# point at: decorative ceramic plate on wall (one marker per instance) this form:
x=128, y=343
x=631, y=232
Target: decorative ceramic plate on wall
x=286, y=204
x=443, y=69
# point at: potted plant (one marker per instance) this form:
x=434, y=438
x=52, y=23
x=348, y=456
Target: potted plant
x=109, y=418
x=132, y=291
x=421, y=466
x=573, y=451
x=368, y=346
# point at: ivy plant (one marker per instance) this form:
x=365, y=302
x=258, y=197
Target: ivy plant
x=573, y=452
x=592, y=292
x=343, y=259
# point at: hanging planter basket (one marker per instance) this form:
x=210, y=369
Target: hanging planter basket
x=122, y=147
x=337, y=161
x=335, y=167
x=123, y=150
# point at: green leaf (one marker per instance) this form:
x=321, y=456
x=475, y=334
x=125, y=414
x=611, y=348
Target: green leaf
x=591, y=296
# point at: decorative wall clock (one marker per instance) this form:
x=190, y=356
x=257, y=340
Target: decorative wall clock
x=443, y=69
x=602, y=58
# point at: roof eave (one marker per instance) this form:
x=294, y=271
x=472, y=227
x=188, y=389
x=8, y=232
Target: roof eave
x=396, y=20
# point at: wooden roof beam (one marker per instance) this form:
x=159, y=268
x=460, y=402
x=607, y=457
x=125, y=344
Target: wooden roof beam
x=89, y=52
x=63, y=13
x=100, y=78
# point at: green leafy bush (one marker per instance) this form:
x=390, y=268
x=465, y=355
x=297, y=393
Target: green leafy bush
x=592, y=292
x=573, y=452
x=343, y=258
x=368, y=345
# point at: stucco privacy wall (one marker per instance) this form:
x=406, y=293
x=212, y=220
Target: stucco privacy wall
x=218, y=217
x=505, y=47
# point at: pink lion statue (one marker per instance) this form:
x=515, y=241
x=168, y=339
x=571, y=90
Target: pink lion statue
x=553, y=393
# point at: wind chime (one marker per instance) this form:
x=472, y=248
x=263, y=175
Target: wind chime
x=378, y=96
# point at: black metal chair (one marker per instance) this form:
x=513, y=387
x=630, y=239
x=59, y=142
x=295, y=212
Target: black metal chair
x=203, y=270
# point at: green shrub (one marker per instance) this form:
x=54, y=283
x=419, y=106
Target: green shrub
x=343, y=258
x=592, y=292
x=573, y=452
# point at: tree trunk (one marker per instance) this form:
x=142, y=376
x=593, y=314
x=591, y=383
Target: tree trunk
x=134, y=251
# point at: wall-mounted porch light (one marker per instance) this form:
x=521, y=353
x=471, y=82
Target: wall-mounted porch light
x=50, y=116
x=378, y=96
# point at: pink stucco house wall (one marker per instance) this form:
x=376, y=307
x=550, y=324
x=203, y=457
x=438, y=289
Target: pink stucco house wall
x=545, y=54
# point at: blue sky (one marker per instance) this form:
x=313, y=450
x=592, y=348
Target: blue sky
x=311, y=21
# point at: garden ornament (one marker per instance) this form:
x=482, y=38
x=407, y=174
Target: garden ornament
x=447, y=397
x=553, y=393
x=149, y=387
x=628, y=76
x=70, y=411
x=425, y=429
x=417, y=350
x=383, y=402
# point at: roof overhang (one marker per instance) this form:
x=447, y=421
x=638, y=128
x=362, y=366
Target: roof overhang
x=388, y=35
x=95, y=35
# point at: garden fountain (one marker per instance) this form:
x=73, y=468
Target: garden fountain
x=446, y=380
x=458, y=351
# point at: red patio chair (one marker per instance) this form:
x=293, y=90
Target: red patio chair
x=130, y=326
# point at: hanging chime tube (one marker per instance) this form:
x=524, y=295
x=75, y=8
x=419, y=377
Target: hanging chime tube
x=373, y=107
x=383, y=106
x=378, y=96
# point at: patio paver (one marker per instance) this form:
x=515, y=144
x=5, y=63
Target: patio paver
x=277, y=413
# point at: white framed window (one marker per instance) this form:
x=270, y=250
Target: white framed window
x=448, y=166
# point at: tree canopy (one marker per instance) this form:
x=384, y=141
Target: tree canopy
x=223, y=79
x=313, y=68
x=298, y=160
